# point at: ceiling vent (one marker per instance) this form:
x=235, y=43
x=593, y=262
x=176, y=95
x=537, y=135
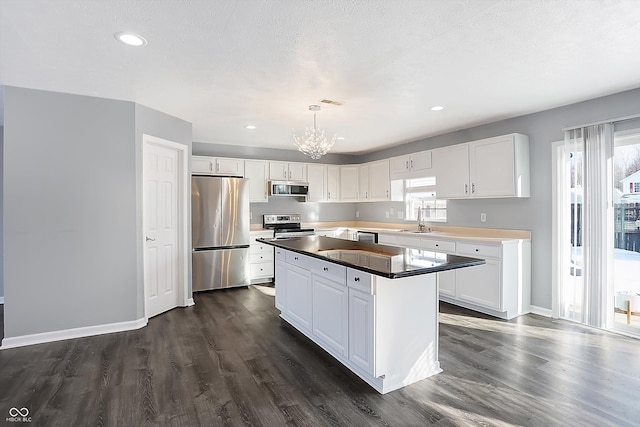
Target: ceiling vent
x=329, y=101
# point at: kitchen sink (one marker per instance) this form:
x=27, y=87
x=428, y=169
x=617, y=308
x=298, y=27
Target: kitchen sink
x=416, y=231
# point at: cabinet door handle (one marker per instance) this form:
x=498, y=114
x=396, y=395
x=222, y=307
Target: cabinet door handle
x=411, y=164
x=325, y=269
x=473, y=188
x=356, y=279
x=477, y=250
x=328, y=194
x=210, y=166
x=149, y=239
x=466, y=189
x=406, y=164
x=217, y=167
x=437, y=245
x=366, y=194
x=295, y=258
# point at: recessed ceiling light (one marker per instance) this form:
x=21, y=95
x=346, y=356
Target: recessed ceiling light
x=250, y=127
x=437, y=108
x=340, y=137
x=131, y=39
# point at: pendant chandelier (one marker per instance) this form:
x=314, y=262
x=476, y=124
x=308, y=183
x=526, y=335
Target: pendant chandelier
x=314, y=144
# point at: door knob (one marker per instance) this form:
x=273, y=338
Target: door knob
x=150, y=239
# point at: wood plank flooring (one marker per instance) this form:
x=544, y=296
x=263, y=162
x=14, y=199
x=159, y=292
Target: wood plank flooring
x=230, y=360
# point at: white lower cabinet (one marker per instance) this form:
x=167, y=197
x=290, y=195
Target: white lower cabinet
x=501, y=287
x=280, y=279
x=331, y=312
x=366, y=322
x=481, y=285
x=260, y=258
x=298, y=296
x=361, y=337
x=447, y=283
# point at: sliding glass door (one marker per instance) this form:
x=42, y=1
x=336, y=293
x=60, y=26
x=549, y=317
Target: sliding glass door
x=626, y=248
x=598, y=229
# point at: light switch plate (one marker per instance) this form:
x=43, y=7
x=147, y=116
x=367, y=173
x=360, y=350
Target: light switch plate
x=400, y=214
x=386, y=214
x=483, y=217
x=357, y=214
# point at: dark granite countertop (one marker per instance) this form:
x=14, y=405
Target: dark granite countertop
x=382, y=260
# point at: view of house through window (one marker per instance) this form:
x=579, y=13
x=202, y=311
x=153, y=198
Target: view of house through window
x=626, y=224
x=420, y=194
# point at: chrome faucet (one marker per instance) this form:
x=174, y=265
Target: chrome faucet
x=421, y=223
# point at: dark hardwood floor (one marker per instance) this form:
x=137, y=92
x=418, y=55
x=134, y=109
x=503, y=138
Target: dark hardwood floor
x=230, y=360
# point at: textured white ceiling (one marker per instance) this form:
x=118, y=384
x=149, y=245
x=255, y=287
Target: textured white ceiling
x=224, y=64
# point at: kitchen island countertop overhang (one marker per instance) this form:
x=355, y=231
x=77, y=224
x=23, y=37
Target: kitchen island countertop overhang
x=387, y=261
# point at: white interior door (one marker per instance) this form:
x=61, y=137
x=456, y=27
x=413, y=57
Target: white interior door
x=161, y=212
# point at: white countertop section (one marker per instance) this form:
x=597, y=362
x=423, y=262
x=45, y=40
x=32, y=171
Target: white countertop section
x=445, y=232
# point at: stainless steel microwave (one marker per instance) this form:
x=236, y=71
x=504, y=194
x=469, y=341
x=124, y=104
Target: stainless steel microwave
x=288, y=188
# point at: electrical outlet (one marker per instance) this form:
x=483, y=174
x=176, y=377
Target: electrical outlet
x=357, y=214
x=400, y=215
x=483, y=217
x=386, y=214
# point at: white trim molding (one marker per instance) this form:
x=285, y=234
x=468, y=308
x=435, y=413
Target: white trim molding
x=87, y=331
x=540, y=311
x=190, y=302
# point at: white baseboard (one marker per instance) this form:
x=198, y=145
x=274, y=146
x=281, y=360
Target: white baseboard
x=1, y=300
x=66, y=334
x=190, y=302
x=541, y=311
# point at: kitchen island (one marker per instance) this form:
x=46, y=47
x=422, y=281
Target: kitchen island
x=372, y=307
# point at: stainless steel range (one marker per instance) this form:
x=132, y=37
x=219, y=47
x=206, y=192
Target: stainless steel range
x=285, y=226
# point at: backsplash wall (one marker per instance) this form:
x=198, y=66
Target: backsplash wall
x=311, y=212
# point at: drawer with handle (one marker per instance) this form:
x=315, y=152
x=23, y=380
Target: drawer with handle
x=471, y=249
x=359, y=280
x=439, y=245
x=335, y=272
x=302, y=261
x=260, y=257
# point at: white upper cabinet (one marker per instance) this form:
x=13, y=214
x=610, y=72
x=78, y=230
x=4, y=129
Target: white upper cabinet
x=452, y=171
x=284, y=171
x=379, y=183
x=257, y=172
x=333, y=183
x=499, y=167
x=363, y=182
x=201, y=164
x=217, y=166
x=493, y=167
x=317, y=175
x=411, y=165
x=233, y=167
x=349, y=183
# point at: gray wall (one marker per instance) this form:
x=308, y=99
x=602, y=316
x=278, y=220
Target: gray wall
x=72, y=208
x=1, y=207
x=70, y=218
x=155, y=123
x=311, y=212
x=224, y=150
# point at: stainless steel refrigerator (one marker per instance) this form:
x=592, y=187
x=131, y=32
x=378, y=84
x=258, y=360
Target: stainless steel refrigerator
x=219, y=232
